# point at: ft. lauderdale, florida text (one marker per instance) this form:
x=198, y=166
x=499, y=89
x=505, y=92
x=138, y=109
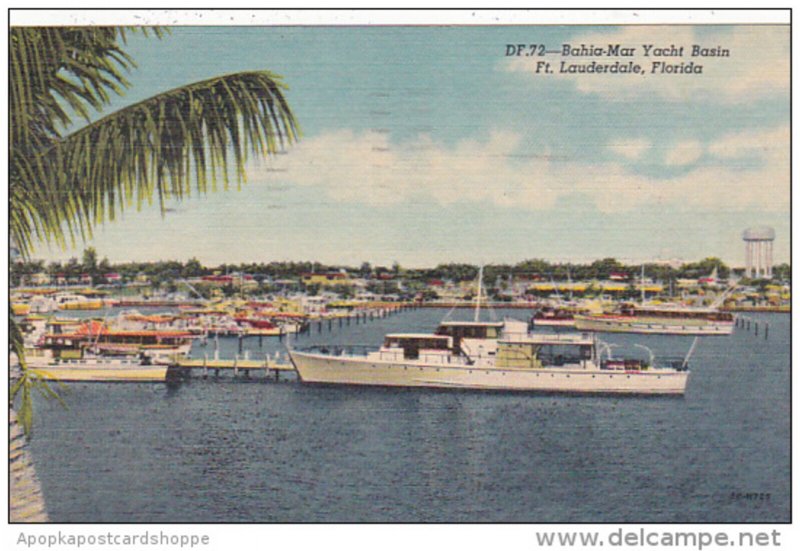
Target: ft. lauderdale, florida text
x=666, y=60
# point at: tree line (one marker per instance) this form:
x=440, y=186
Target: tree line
x=533, y=269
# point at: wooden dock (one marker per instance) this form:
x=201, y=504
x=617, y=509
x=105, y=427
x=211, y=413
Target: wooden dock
x=269, y=367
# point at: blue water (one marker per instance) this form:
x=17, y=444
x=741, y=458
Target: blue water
x=213, y=451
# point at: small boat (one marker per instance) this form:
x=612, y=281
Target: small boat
x=258, y=327
x=78, y=302
x=263, y=332
x=20, y=308
x=551, y=316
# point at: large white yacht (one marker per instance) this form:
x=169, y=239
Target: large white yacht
x=467, y=355
x=492, y=356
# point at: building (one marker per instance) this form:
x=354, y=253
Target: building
x=325, y=279
x=245, y=281
x=112, y=277
x=41, y=278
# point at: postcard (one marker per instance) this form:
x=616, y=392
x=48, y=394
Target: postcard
x=400, y=267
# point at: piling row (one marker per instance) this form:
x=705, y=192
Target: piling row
x=747, y=323
x=240, y=365
x=353, y=318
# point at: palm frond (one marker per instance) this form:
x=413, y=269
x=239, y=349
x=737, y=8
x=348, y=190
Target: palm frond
x=194, y=134
x=54, y=69
x=26, y=379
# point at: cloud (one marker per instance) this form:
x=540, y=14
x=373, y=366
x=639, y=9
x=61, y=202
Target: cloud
x=758, y=65
x=684, y=153
x=772, y=143
x=748, y=170
x=630, y=149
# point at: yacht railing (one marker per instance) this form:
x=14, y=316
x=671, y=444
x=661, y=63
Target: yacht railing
x=340, y=349
x=679, y=363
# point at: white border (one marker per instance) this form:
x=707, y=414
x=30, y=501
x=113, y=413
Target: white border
x=382, y=537
x=272, y=17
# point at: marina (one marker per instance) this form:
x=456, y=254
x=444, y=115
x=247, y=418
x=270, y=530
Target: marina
x=79, y=349
x=321, y=451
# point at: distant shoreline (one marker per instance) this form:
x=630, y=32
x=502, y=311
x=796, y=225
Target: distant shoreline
x=525, y=305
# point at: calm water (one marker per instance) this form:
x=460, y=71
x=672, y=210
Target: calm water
x=268, y=452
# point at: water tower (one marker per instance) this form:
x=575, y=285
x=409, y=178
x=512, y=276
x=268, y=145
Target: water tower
x=758, y=251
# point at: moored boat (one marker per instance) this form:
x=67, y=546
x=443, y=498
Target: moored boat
x=549, y=316
x=159, y=345
x=20, y=308
x=99, y=368
x=662, y=320
x=518, y=361
x=77, y=302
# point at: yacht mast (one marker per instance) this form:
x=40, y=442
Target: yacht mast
x=569, y=279
x=480, y=291
x=642, y=284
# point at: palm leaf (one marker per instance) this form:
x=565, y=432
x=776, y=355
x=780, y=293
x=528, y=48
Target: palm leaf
x=150, y=149
x=54, y=69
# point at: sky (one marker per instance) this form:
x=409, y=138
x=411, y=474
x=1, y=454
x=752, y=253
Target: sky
x=425, y=145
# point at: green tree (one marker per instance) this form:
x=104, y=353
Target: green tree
x=63, y=182
x=193, y=268
x=782, y=272
x=72, y=268
x=703, y=268
x=89, y=262
x=104, y=267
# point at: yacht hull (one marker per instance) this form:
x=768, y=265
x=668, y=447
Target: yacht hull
x=98, y=372
x=652, y=327
x=348, y=370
